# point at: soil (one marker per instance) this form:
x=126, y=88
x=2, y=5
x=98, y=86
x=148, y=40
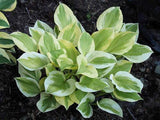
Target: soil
x=15, y=106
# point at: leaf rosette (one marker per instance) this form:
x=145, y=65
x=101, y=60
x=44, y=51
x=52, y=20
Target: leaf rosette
x=67, y=65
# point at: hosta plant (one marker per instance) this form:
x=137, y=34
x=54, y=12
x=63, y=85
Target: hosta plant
x=6, y=43
x=67, y=65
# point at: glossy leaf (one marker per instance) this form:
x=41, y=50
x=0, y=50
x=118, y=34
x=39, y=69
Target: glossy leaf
x=125, y=96
x=48, y=43
x=33, y=61
x=70, y=33
x=30, y=74
x=57, y=85
x=85, y=69
x=126, y=82
x=133, y=27
x=87, y=84
x=64, y=16
x=110, y=106
x=110, y=18
x=65, y=101
x=103, y=38
x=100, y=59
x=84, y=106
x=121, y=65
x=24, y=42
x=47, y=103
x=77, y=96
x=122, y=43
x=36, y=33
x=28, y=86
x=43, y=26
x=65, y=63
x=138, y=53
x=86, y=44
x=71, y=51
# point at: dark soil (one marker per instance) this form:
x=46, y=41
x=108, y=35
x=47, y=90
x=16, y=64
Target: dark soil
x=15, y=106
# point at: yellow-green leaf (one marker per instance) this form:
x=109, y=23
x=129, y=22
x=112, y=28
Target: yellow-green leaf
x=77, y=96
x=138, y=53
x=125, y=96
x=33, y=61
x=86, y=44
x=85, y=69
x=31, y=74
x=24, y=42
x=64, y=16
x=71, y=51
x=126, y=82
x=36, y=33
x=87, y=84
x=122, y=43
x=103, y=38
x=110, y=18
x=133, y=27
x=70, y=33
x=48, y=43
x=43, y=26
x=56, y=84
x=121, y=65
x=65, y=101
x=100, y=59
x=65, y=63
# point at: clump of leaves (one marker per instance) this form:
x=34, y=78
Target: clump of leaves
x=78, y=67
x=6, y=43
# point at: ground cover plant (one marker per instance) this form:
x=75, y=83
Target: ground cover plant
x=67, y=65
x=6, y=43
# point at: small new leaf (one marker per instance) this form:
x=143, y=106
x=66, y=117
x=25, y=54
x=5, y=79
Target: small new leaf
x=85, y=69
